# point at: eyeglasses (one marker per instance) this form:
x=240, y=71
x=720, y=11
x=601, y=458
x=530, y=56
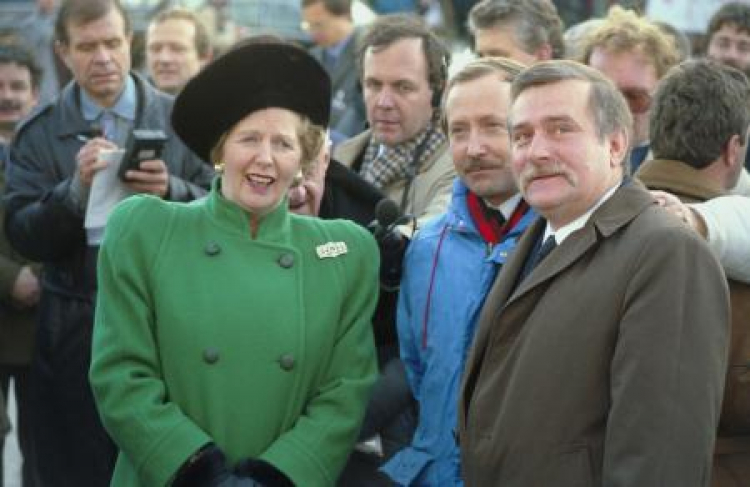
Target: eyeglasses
x=639, y=101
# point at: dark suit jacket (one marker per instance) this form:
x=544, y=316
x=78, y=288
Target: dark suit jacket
x=606, y=365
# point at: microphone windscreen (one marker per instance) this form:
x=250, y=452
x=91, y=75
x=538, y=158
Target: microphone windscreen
x=387, y=212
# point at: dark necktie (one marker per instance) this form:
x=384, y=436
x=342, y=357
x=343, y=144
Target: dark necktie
x=535, y=258
x=495, y=215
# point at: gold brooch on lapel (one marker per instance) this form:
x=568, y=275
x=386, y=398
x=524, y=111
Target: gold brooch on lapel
x=331, y=249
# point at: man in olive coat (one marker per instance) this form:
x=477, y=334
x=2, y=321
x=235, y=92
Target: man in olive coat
x=602, y=363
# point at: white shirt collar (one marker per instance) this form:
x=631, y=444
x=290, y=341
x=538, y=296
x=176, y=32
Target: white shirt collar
x=508, y=206
x=564, y=232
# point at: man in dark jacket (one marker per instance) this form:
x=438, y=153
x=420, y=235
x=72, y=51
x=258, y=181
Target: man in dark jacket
x=20, y=80
x=55, y=165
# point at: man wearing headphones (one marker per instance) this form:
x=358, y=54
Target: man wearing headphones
x=405, y=156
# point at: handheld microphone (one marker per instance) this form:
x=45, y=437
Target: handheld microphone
x=391, y=242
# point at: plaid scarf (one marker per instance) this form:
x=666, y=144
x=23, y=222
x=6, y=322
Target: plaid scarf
x=383, y=165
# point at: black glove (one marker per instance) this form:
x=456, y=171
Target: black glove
x=263, y=473
x=207, y=468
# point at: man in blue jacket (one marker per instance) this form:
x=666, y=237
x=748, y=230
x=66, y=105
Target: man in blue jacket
x=451, y=264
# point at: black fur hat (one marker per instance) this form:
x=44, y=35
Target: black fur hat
x=251, y=77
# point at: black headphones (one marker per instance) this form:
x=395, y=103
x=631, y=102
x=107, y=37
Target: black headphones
x=437, y=91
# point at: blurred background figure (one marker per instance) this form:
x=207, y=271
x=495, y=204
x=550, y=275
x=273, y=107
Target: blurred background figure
x=681, y=40
x=336, y=40
x=728, y=36
x=38, y=32
x=177, y=47
x=222, y=30
x=20, y=78
x=526, y=31
x=728, y=39
x=634, y=53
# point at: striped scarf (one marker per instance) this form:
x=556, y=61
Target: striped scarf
x=383, y=165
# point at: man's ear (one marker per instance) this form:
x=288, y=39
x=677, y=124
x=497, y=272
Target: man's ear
x=63, y=51
x=544, y=52
x=734, y=151
x=618, y=147
x=207, y=58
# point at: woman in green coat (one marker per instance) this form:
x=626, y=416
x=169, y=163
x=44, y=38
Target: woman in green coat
x=232, y=344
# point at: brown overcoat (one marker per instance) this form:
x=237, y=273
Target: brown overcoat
x=606, y=365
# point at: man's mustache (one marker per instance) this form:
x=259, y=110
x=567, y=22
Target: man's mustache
x=9, y=105
x=474, y=164
x=534, y=172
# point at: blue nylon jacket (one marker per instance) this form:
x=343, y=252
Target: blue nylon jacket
x=465, y=270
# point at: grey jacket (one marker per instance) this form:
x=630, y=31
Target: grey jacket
x=348, y=114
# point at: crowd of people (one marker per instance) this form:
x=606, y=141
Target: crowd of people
x=353, y=262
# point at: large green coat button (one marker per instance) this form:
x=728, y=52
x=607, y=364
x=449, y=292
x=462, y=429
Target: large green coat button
x=212, y=248
x=211, y=355
x=287, y=362
x=286, y=260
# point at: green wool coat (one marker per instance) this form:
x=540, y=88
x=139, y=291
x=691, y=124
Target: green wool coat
x=207, y=330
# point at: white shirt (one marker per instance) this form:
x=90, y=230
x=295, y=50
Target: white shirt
x=507, y=207
x=564, y=231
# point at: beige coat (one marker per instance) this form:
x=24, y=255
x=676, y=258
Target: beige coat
x=606, y=365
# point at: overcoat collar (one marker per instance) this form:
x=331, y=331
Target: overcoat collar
x=624, y=205
x=507, y=305
x=273, y=227
x=679, y=178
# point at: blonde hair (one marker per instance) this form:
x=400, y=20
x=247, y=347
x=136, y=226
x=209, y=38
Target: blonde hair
x=624, y=30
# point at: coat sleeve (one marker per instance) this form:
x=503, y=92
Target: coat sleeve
x=126, y=378
x=669, y=365
x=406, y=317
x=44, y=210
x=9, y=267
x=314, y=451
x=192, y=181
